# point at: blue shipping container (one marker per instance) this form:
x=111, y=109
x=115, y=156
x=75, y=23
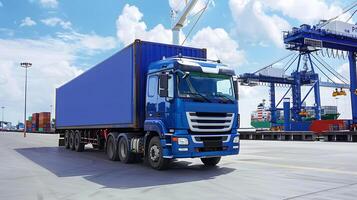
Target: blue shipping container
x=112, y=94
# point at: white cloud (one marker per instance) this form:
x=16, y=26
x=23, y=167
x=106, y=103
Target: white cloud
x=260, y=20
x=52, y=66
x=55, y=21
x=253, y=23
x=179, y=5
x=220, y=46
x=54, y=63
x=27, y=22
x=313, y=10
x=7, y=32
x=130, y=27
x=1, y=4
x=344, y=70
x=49, y=3
x=90, y=43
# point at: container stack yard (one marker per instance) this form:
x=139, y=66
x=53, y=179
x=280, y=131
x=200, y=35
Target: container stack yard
x=261, y=117
x=39, y=122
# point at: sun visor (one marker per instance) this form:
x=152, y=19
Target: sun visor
x=204, y=67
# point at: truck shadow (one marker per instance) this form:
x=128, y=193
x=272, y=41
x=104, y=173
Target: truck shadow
x=95, y=167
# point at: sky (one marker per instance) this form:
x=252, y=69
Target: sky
x=63, y=38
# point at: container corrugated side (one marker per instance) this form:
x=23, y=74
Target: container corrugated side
x=112, y=94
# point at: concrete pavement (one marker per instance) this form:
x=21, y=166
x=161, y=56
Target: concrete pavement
x=35, y=168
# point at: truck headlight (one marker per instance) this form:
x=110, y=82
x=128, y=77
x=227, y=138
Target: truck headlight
x=182, y=141
x=236, y=139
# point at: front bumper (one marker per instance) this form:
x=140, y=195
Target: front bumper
x=196, y=148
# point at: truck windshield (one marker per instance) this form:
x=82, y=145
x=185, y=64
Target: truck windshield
x=206, y=87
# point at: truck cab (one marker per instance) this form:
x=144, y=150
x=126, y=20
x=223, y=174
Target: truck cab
x=193, y=104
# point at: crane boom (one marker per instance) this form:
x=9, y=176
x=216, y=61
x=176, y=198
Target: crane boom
x=179, y=23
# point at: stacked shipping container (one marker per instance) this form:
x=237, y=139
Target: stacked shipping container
x=39, y=122
x=29, y=124
x=35, y=119
x=44, y=124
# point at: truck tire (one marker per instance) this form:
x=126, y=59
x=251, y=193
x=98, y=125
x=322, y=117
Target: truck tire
x=78, y=145
x=125, y=156
x=155, y=155
x=66, y=139
x=71, y=140
x=111, y=149
x=211, y=162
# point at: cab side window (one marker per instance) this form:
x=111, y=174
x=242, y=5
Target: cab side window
x=152, y=86
x=171, y=86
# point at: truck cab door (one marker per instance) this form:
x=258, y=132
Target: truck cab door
x=151, y=97
x=165, y=97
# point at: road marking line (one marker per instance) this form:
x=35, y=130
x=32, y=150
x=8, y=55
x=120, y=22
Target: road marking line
x=303, y=168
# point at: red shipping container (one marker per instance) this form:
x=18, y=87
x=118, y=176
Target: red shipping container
x=320, y=126
x=44, y=120
x=35, y=120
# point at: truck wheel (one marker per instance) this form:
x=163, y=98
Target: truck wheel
x=78, y=145
x=66, y=139
x=155, y=157
x=111, y=149
x=124, y=153
x=210, y=162
x=71, y=140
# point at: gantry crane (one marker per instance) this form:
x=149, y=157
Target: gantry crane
x=303, y=75
x=308, y=41
x=319, y=37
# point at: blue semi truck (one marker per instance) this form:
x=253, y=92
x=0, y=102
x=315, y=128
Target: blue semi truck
x=152, y=101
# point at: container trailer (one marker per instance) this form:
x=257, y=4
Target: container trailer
x=153, y=101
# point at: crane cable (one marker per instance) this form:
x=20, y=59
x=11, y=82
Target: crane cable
x=328, y=70
x=323, y=73
x=199, y=17
x=348, y=8
x=351, y=16
x=274, y=62
x=331, y=68
x=286, y=69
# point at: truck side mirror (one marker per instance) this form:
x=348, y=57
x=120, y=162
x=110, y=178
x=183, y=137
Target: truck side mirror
x=163, y=85
x=236, y=87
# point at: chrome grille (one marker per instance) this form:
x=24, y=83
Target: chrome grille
x=210, y=122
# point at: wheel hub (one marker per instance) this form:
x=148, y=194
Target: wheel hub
x=154, y=153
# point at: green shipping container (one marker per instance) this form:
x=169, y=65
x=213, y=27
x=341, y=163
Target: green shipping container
x=260, y=124
x=40, y=129
x=264, y=124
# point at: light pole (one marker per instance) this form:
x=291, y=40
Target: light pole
x=2, y=117
x=51, y=109
x=25, y=65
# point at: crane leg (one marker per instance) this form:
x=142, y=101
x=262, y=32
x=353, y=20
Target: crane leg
x=317, y=101
x=353, y=85
x=272, y=104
